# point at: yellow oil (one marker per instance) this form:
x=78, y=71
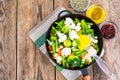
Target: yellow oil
x=97, y=13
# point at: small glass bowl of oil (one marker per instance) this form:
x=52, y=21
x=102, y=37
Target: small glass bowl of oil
x=97, y=13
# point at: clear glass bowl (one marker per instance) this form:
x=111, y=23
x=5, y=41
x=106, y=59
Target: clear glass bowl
x=76, y=7
x=97, y=13
x=108, y=29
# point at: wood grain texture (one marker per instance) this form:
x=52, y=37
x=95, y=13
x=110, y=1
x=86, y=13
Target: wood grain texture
x=111, y=46
x=32, y=64
x=17, y=17
x=98, y=74
x=46, y=69
x=26, y=55
x=7, y=40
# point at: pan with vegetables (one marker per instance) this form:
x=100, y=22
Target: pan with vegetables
x=72, y=41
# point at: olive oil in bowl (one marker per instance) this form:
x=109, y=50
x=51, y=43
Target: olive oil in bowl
x=97, y=13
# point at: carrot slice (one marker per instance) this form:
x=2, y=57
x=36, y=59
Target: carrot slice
x=89, y=63
x=60, y=52
x=53, y=57
x=82, y=56
x=50, y=48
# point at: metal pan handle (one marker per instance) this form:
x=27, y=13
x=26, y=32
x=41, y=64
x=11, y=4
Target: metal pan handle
x=86, y=76
x=64, y=11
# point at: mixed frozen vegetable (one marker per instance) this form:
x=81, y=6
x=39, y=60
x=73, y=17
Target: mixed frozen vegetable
x=72, y=43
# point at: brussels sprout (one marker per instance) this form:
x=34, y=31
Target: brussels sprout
x=74, y=61
x=67, y=43
x=75, y=43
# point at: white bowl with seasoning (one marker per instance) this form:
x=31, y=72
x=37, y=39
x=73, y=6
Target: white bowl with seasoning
x=80, y=5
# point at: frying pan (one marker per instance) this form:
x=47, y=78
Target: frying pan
x=97, y=33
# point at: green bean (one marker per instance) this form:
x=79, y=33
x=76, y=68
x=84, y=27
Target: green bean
x=53, y=47
x=81, y=52
x=63, y=62
x=88, y=23
x=56, y=44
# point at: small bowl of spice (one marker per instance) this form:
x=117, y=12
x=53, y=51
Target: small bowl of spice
x=80, y=5
x=108, y=29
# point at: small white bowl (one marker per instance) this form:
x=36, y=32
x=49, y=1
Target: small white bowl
x=79, y=10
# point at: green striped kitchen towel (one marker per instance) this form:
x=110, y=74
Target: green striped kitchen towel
x=38, y=34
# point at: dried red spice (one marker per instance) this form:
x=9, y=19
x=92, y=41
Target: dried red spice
x=108, y=31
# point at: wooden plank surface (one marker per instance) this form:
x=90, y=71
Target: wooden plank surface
x=26, y=56
x=7, y=39
x=32, y=64
x=112, y=47
x=17, y=17
x=47, y=70
x=97, y=72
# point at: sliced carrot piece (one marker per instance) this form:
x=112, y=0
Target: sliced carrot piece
x=60, y=52
x=50, y=48
x=82, y=56
x=50, y=34
x=89, y=63
x=53, y=57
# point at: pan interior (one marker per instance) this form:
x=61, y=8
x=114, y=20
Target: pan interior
x=97, y=33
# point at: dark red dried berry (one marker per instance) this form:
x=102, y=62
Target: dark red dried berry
x=108, y=31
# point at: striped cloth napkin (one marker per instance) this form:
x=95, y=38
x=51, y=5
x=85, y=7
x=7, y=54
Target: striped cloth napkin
x=38, y=35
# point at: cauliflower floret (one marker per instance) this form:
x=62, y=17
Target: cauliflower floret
x=66, y=51
x=94, y=40
x=69, y=19
x=78, y=24
x=69, y=23
x=58, y=58
x=60, y=47
x=77, y=27
x=62, y=37
x=73, y=35
x=91, y=53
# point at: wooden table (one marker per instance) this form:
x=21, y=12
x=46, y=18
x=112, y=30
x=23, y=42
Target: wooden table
x=20, y=59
